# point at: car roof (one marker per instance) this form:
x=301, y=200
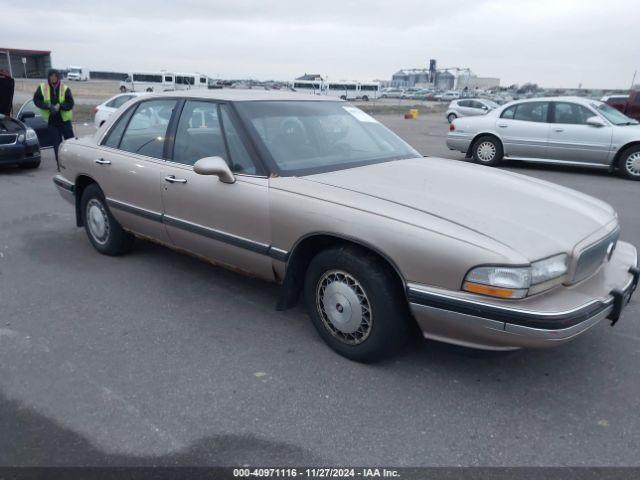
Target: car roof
x=581, y=100
x=244, y=95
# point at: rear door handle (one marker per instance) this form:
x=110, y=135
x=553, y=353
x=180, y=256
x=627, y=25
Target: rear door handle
x=173, y=179
x=558, y=130
x=502, y=125
x=102, y=161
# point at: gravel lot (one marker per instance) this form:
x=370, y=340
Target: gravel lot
x=158, y=358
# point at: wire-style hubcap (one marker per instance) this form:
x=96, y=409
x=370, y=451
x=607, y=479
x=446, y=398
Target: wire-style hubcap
x=344, y=307
x=486, y=151
x=633, y=164
x=97, y=221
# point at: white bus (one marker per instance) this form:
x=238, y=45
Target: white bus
x=148, y=82
x=188, y=81
x=345, y=90
x=314, y=87
x=368, y=90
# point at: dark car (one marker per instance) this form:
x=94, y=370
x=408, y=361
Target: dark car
x=18, y=142
x=627, y=104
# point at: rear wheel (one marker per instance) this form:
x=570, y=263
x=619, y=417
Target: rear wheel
x=103, y=230
x=451, y=117
x=123, y=89
x=629, y=163
x=356, y=304
x=487, y=150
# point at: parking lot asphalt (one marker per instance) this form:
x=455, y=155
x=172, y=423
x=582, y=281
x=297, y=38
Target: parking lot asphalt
x=157, y=358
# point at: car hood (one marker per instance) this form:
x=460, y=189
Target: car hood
x=7, y=85
x=532, y=217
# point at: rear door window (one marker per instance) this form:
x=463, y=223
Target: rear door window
x=147, y=130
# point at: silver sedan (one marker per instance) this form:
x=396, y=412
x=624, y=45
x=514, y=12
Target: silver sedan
x=562, y=130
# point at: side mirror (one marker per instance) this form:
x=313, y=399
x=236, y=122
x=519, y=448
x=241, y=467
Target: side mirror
x=214, y=166
x=484, y=107
x=25, y=115
x=595, y=121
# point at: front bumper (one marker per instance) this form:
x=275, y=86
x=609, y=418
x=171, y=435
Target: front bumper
x=18, y=153
x=543, y=320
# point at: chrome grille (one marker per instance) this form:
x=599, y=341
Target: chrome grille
x=593, y=256
x=8, y=138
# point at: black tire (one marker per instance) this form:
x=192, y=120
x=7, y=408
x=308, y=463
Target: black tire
x=123, y=89
x=115, y=240
x=482, y=149
x=365, y=98
x=343, y=97
x=451, y=117
x=368, y=281
x=30, y=165
x=629, y=163
x=149, y=89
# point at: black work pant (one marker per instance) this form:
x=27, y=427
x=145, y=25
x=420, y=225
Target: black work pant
x=59, y=132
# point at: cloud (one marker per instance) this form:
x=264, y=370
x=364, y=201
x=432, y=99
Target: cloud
x=549, y=42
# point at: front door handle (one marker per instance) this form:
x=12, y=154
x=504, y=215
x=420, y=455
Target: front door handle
x=102, y=161
x=173, y=179
x=502, y=125
x=558, y=130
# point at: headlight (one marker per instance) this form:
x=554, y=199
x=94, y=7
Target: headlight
x=20, y=138
x=31, y=134
x=516, y=282
x=548, y=269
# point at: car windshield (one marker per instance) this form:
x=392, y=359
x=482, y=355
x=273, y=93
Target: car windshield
x=614, y=116
x=305, y=137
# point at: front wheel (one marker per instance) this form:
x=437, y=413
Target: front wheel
x=629, y=163
x=356, y=304
x=487, y=151
x=103, y=230
x=123, y=89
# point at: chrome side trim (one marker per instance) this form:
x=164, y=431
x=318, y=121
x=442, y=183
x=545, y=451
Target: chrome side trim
x=558, y=162
x=219, y=235
x=229, y=238
x=278, y=254
x=141, y=212
x=64, y=184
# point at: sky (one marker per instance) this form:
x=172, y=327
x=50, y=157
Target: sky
x=555, y=43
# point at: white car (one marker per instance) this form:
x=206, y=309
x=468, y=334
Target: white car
x=450, y=95
x=469, y=107
x=554, y=130
x=105, y=109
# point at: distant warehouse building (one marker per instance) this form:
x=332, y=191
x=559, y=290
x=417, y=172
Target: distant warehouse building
x=21, y=63
x=481, y=83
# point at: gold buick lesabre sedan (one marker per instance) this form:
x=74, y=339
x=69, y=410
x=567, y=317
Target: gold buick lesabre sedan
x=318, y=196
